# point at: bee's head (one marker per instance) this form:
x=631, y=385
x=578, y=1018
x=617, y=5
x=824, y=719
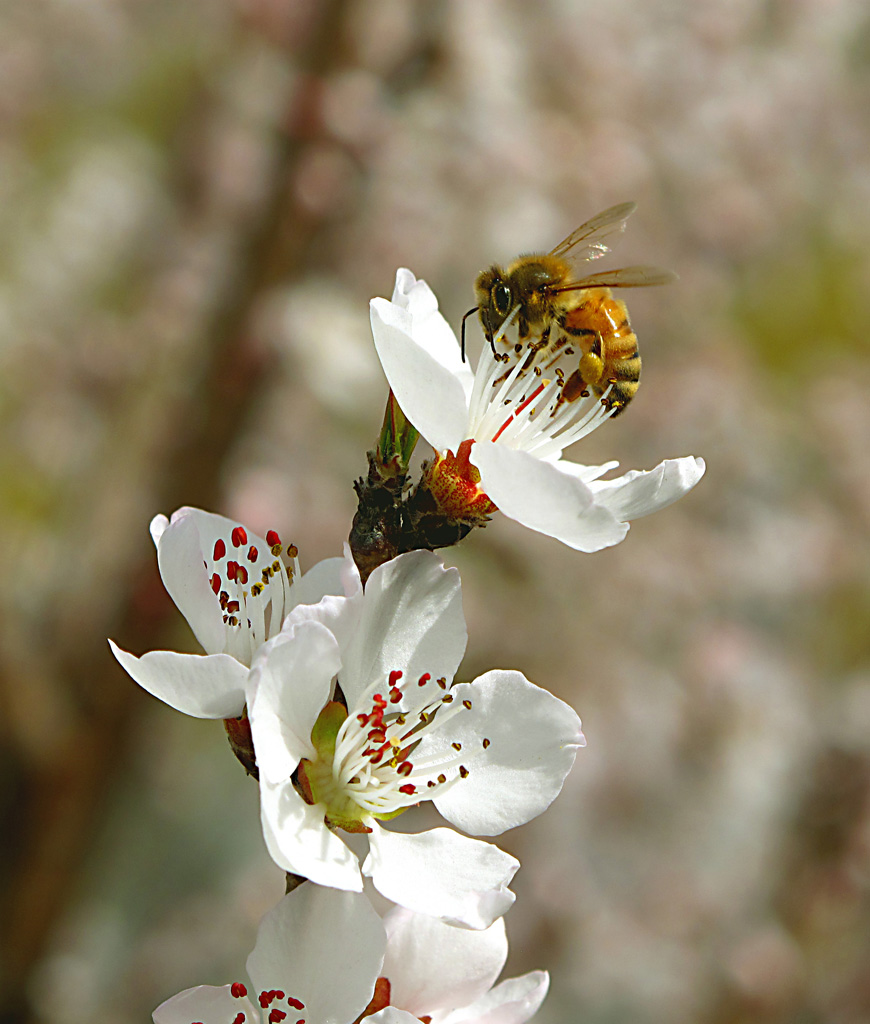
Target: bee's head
x=495, y=299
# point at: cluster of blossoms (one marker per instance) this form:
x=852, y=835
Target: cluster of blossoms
x=349, y=698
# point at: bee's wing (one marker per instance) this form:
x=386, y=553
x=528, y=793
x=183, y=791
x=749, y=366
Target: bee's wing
x=588, y=241
x=626, y=277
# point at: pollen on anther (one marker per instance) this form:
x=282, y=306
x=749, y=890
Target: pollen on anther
x=447, y=698
x=220, y=549
x=456, y=746
x=467, y=705
x=292, y=551
x=486, y=743
x=463, y=771
x=442, y=778
x=442, y=682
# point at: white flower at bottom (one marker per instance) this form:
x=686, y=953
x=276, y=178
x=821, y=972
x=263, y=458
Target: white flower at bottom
x=235, y=589
x=499, y=434
x=490, y=754
x=317, y=957
x=447, y=975
x=323, y=956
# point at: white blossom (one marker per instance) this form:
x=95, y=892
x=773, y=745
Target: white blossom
x=235, y=589
x=499, y=436
x=317, y=958
x=490, y=754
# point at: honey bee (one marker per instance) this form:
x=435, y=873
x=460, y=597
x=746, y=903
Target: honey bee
x=568, y=325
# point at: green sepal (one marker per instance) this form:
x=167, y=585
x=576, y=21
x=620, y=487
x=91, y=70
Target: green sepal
x=348, y=824
x=392, y=814
x=398, y=438
x=325, y=731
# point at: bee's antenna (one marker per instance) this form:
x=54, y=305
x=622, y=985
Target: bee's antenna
x=462, y=332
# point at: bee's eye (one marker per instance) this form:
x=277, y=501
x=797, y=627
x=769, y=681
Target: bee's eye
x=501, y=298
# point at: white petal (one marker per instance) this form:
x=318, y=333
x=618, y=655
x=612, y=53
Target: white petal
x=534, y=738
x=202, y=685
x=429, y=328
x=157, y=526
x=340, y=615
x=432, y=966
x=536, y=494
x=392, y=1015
x=463, y=881
x=180, y=557
x=584, y=473
x=292, y=681
x=299, y=841
x=512, y=1002
x=639, y=493
x=431, y=396
x=302, y=940
x=411, y=620
x=326, y=577
x=210, y=1004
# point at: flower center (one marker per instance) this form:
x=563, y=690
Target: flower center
x=268, y=1000
x=368, y=763
x=523, y=409
x=252, y=584
x=455, y=484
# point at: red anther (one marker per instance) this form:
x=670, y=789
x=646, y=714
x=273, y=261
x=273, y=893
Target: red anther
x=215, y=582
x=377, y=736
x=232, y=569
x=424, y=678
x=279, y=994
x=297, y=1004
x=224, y=598
x=379, y=701
x=238, y=990
x=252, y=554
x=395, y=695
x=242, y=574
x=272, y=538
x=363, y=719
x=265, y=999
x=232, y=606
x=240, y=1019
x=395, y=676
x=220, y=549
x=405, y=768
x=276, y=1015
x=442, y=682
x=408, y=790
x=240, y=536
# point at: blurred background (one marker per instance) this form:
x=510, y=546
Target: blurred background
x=197, y=201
